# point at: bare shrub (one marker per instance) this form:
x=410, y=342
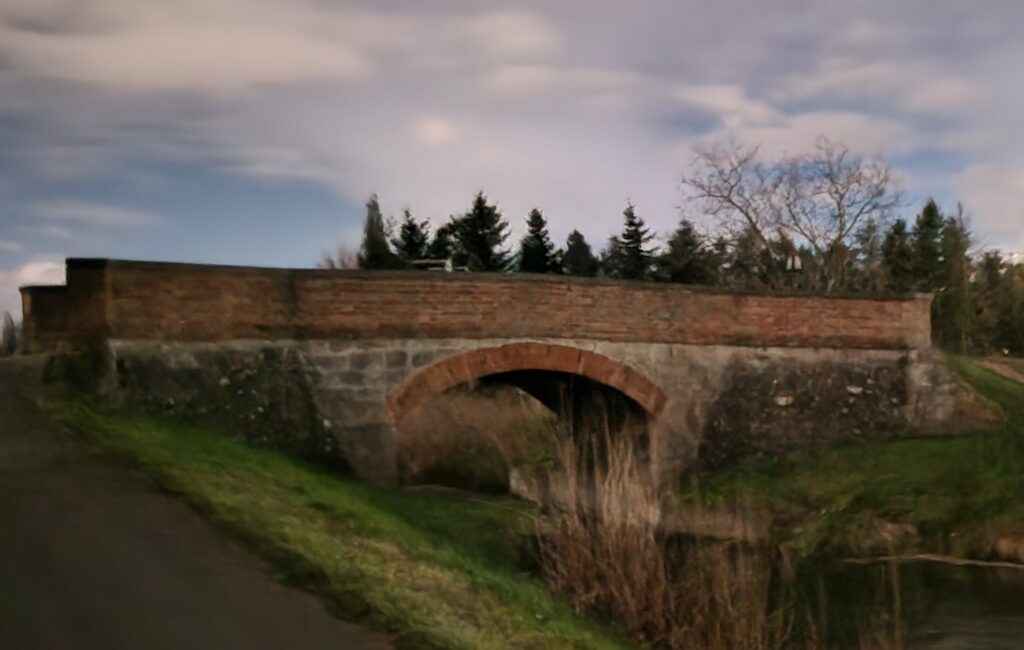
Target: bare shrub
x=345, y=258
x=8, y=335
x=601, y=547
x=473, y=439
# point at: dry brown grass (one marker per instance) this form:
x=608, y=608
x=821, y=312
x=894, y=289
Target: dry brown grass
x=601, y=548
x=474, y=438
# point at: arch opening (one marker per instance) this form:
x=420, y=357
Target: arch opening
x=521, y=357
x=502, y=430
x=585, y=409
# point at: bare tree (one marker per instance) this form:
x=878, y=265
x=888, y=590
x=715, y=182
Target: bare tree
x=343, y=259
x=730, y=184
x=817, y=200
x=826, y=197
x=8, y=335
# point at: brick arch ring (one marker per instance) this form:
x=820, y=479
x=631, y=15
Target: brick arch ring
x=470, y=366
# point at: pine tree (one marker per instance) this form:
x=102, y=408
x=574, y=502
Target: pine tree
x=631, y=259
x=1012, y=326
x=536, y=252
x=375, y=252
x=442, y=246
x=749, y=262
x=951, y=312
x=1008, y=326
x=578, y=258
x=927, y=242
x=898, y=258
x=413, y=238
x=719, y=255
x=987, y=297
x=687, y=259
x=479, y=235
x=611, y=262
x=870, y=274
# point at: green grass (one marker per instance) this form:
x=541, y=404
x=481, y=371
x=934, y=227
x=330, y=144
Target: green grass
x=436, y=569
x=953, y=490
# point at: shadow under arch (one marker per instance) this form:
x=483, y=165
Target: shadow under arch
x=476, y=364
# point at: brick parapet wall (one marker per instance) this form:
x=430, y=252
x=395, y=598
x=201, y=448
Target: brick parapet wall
x=44, y=317
x=181, y=302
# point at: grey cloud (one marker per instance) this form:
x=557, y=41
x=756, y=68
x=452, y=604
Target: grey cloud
x=92, y=214
x=573, y=106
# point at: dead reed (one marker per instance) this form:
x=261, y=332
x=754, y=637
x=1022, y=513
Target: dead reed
x=601, y=547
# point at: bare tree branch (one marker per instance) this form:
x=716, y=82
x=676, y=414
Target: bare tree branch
x=816, y=200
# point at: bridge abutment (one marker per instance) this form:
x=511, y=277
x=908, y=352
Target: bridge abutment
x=324, y=363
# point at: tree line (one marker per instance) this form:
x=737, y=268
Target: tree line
x=820, y=222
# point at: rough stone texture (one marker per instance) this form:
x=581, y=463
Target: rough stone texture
x=337, y=398
x=262, y=392
x=768, y=405
x=324, y=363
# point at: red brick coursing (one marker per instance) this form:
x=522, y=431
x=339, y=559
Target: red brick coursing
x=109, y=299
x=470, y=366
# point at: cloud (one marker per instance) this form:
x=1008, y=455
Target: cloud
x=217, y=45
x=93, y=214
x=44, y=269
x=435, y=130
x=508, y=34
x=58, y=232
x=909, y=86
x=987, y=190
x=573, y=107
x=731, y=103
x=10, y=246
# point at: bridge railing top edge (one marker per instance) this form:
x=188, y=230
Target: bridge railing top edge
x=459, y=277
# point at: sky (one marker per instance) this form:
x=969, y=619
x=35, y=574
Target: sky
x=253, y=131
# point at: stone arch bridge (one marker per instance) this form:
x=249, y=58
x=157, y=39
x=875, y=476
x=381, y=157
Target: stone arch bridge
x=327, y=363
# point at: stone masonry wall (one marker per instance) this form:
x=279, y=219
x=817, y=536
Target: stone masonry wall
x=320, y=363
x=328, y=398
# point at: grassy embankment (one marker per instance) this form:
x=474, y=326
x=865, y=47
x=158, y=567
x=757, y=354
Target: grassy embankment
x=438, y=570
x=958, y=495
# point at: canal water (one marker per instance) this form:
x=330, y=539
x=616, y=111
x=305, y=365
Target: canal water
x=918, y=605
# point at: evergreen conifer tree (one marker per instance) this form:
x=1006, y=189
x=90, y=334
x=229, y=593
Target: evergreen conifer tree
x=413, y=238
x=578, y=258
x=751, y=264
x=536, y=252
x=927, y=243
x=870, y=274
x=987, y=296
x=479, y=235
x=375, y=252
x=1007, y=332
x=951, y=313
x=442, y=245
x=610, y=263
x=628, y=255
x=687, y=259
x=898, y=258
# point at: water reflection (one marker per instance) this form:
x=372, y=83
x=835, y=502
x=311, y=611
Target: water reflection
x=918, y=606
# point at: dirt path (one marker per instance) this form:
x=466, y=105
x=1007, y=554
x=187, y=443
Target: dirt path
x=1002, y=370
x=94, y=556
